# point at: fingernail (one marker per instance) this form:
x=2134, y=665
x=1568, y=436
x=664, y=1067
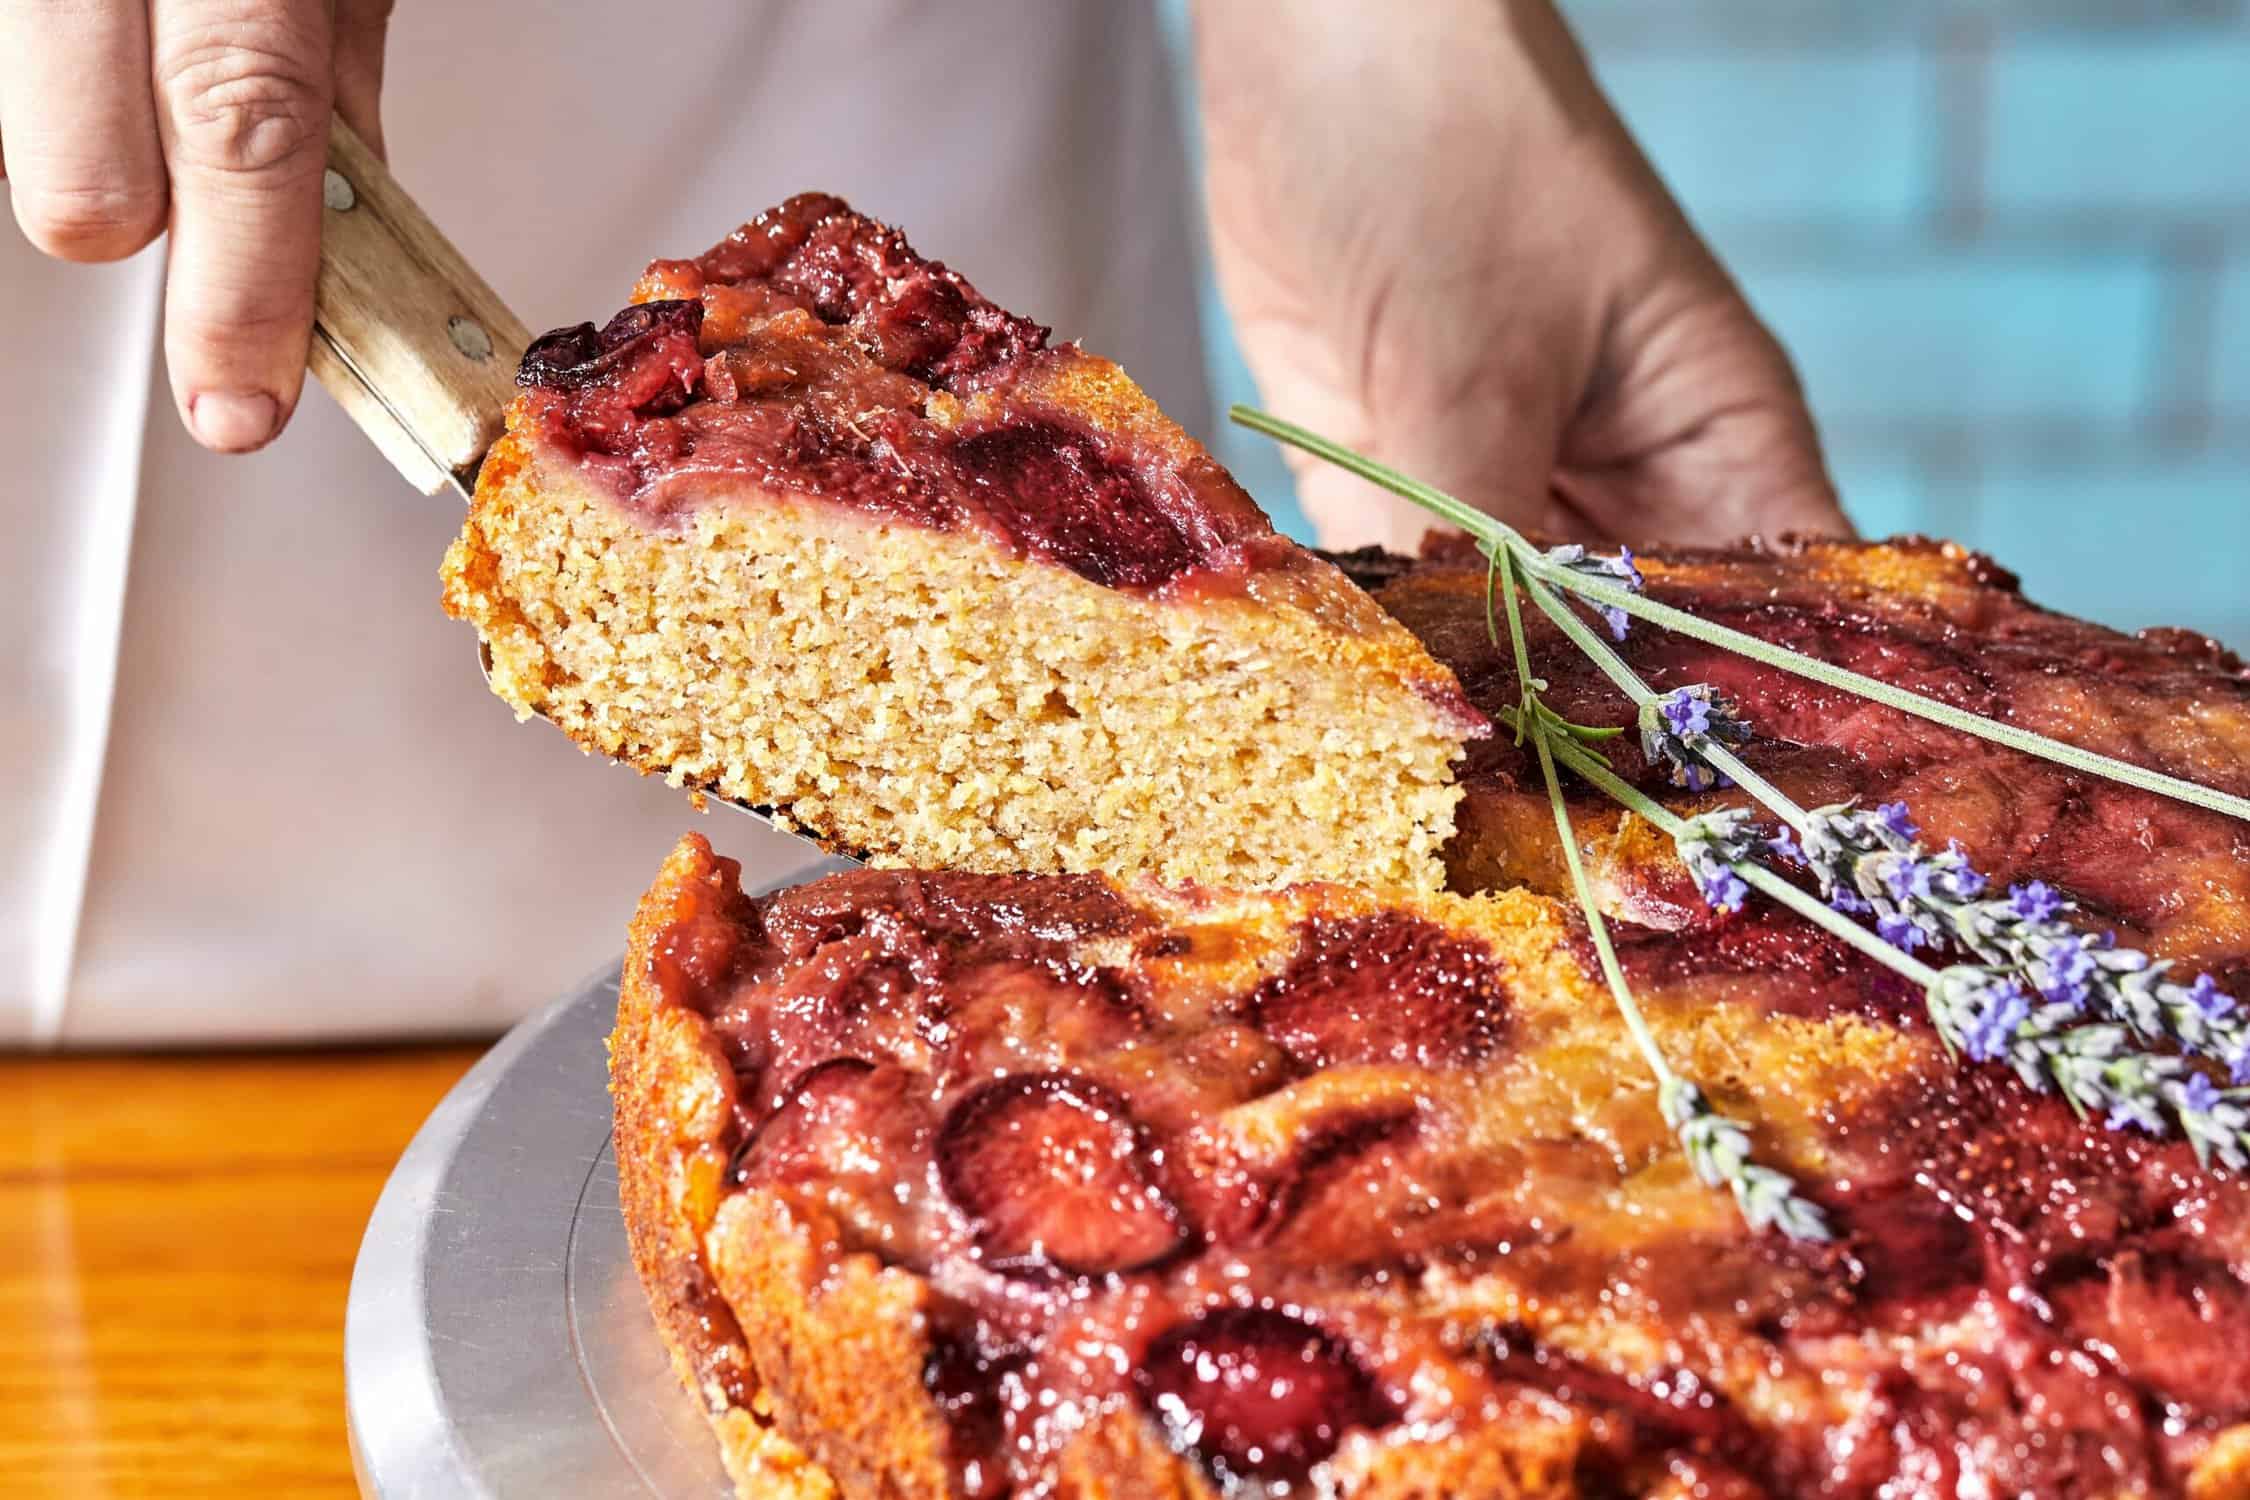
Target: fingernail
x=233, y=422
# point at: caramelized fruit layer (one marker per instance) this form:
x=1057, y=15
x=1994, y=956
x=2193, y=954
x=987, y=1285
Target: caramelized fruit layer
x=1297, y=1180
x=815, y=353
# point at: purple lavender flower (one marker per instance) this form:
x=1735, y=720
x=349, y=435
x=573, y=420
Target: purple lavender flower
x=2198, y=1094
x=2034, y=902
x=1907, y=880
x=1784, y=844
x=1621, y=569
x=1963, y=881
x=2131, y=1112
x=1867, y=866
x=1899, y=932
x=1685, y=715
x=1711, y=845
x=2063, y=974
x=1988, y=1033
x=2205, y=997
x=1726, y=891
x=1676, y=727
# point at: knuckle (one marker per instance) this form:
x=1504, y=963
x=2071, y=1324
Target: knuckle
x=245, y=105
x=91, y=222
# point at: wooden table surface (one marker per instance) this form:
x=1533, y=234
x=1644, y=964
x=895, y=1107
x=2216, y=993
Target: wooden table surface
x=176, y=1238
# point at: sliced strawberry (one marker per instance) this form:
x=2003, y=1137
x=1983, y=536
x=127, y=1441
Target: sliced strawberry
x=1385, y=988
x=1048, y=1164
x=1256, y=1394
x=831, y=1108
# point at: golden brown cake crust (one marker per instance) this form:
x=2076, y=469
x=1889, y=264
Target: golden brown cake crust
x=674, y=1097
x=1534, y=1373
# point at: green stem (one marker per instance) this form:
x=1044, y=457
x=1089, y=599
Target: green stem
x=1819, y=912
x=1584, y=637
x=1497, y=533
x=1596, y=928
x=1623, y=792
x=1505, y=578
x=1773, y=798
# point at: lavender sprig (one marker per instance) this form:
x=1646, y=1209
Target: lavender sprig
x=1678, y=727
x=1984, y=1014
x=1872, y=863
x=1718, y=1149
x=1987, y=1015
x=1573, y=558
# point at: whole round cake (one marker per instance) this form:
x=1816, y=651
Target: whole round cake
x=968, y=1185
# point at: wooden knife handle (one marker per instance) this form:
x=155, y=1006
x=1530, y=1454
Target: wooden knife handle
x=409, y=340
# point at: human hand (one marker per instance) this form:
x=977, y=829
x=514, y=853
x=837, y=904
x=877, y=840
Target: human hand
x=1441, y=247
x=122, y=118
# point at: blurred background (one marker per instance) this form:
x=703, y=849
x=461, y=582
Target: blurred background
x=2008, y=242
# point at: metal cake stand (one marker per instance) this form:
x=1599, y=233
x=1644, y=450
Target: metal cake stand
x=496, y=1343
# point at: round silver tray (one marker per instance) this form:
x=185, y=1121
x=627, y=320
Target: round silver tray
x=496, y=1343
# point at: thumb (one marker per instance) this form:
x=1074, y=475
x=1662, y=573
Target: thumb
x=1490, y=443
x=1698, y=432
x=1508, y=478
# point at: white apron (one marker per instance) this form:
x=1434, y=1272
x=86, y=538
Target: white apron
x=251, y=786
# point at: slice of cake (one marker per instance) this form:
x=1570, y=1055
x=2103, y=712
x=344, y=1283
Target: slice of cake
x=814, y=526
x=976, y=1186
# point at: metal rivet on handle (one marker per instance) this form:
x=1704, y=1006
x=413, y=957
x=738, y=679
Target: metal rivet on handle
x=469, y=337
x=336, y=192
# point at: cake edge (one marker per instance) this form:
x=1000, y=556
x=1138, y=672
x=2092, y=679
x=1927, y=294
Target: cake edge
x=664, y=1060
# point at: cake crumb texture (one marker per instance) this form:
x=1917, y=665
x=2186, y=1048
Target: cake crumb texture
x=926, y=699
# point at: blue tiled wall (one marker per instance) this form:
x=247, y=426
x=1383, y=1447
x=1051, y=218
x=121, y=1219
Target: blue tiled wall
x=2008, y=242
x=2150, y=119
